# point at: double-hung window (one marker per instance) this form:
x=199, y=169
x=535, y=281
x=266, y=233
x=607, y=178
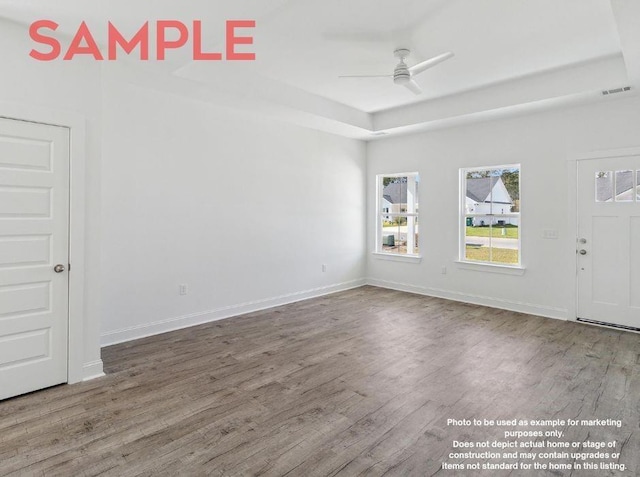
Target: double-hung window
x=490, y=221
x=397, y=214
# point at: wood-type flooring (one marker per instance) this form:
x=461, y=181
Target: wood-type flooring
x=356, y=383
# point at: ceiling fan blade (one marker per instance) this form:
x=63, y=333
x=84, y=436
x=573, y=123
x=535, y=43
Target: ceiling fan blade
x=425, y=65
x=366, y=76
x=413, y=87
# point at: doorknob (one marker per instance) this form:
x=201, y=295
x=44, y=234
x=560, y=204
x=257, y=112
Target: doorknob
x=583, y=252
x=58, y=268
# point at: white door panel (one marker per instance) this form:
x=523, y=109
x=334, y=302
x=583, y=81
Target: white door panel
x=634, y=264
x=609, y=241
x=24, y=250
x=34, y=230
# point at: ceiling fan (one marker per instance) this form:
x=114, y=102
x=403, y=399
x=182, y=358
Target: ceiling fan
x=403, y=74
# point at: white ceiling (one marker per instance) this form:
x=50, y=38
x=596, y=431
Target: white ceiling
x=313, y=42
x=303, y=46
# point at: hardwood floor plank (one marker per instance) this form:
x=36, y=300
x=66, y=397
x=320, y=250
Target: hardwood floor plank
x=355, y=383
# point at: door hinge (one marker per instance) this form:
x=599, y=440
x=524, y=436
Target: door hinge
x=69, y=267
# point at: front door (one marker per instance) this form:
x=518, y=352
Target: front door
x=34, y=239
x=608, y=244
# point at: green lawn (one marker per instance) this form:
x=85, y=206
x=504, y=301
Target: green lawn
x=500, y=255
x=511, y=231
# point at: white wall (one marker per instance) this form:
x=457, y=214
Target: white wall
x=242, y=210
x=37, y=89
x=542, y=143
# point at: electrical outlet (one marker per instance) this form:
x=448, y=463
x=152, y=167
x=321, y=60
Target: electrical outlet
x=183, y=289
x=324, y=267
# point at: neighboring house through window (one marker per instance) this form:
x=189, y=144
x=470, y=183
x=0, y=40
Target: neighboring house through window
x=490, y=215
x=397, y=214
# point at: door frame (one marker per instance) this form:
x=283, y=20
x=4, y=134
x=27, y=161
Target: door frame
x=79, y=322
x=572, y=174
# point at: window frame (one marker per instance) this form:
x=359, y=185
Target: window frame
x=463, y=214
x=380, y=213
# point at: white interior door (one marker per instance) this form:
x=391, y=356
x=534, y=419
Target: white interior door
x=609, y=241
x=34, y=238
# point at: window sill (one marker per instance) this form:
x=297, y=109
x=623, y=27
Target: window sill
x=491, y=268
x=394, y=257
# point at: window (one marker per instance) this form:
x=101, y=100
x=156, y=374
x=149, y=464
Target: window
x=490, y=215
x=397, y=214
x=618, y=186
x=604, y=186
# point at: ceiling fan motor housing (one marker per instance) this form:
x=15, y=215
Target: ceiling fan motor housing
x=401, y=74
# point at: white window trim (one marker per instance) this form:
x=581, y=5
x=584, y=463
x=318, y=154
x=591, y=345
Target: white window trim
x=511, y=269
x=378, y=252
x=397, y=257
x=491, y=267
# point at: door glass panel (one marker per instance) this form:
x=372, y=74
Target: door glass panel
x=604, y=186
x=624, y=186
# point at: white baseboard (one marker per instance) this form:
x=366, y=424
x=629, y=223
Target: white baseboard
x=521, y=307
x=193, y=319
x=92, y=370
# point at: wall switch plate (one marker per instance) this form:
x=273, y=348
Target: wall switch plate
x=324, y=267
x=550, y=234
x=183, y=289
x=444, y=270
